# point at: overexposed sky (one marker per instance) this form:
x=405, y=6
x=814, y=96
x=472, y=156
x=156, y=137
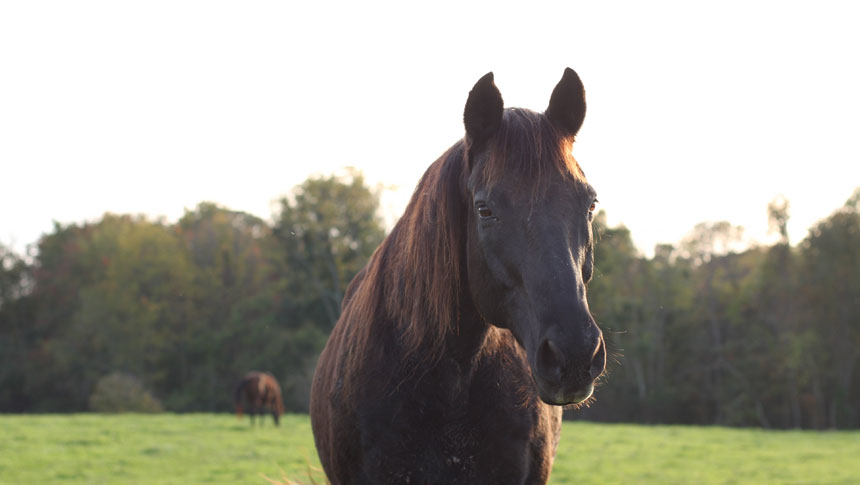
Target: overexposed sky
x=696, y=111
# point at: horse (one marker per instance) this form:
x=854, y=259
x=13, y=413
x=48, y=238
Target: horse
x=260, y=391
x=468, y=331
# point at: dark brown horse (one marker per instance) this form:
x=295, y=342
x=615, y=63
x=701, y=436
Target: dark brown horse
x=260, y=390
x=469, y=327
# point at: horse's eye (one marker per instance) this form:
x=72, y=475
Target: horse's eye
x=593, y=206
x=485, y=212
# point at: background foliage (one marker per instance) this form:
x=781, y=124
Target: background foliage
x=707, y=331
x=122, y=393
x=186, y=308
x=766, y=336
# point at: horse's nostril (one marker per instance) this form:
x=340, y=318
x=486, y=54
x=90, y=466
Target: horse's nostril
x=598, y=362
x=549, y=360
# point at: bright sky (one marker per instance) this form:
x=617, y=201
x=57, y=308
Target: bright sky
x=696, y=111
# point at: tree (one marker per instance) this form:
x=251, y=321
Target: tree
x=616, y=298
x=238, y=285
x=709, y=239
x=128, y=292
x=854, y=200
x=15, y=333
x=328, y=228
x=830, y=296
x=777, y=216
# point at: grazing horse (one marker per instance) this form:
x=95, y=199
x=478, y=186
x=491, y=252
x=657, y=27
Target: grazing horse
x=469, y=329
x=260, y=391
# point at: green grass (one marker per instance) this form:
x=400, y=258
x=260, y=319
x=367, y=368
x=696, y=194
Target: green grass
x=600, y=453
x=207, y=448
x=152, y=449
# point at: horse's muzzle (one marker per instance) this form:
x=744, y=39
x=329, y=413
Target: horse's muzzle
x=568, y=377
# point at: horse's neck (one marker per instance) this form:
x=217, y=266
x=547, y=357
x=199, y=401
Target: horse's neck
x=467, y=339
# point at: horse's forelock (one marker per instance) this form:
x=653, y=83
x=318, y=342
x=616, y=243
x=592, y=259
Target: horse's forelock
x=531, y=152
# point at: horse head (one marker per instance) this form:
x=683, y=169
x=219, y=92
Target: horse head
x=529, y=242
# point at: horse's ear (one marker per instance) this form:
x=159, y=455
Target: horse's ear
x=483, y=113
x=567, y=105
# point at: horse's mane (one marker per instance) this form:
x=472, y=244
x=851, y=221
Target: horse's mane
x=414, y=280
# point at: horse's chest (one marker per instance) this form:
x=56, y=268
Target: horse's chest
x=463, y=451
x=483, y=426
x=472, y=439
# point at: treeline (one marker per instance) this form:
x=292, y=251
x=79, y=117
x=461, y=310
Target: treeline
x=186, y=308
x=765, y=337
x=768, y=336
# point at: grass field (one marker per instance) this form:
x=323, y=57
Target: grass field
x=208, y=448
